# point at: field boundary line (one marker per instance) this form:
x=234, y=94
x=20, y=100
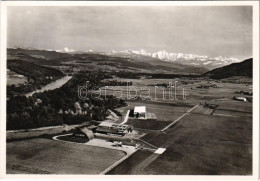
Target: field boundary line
x=142, y=165
x=175, y=121
x=216, y=114
x=117, y=163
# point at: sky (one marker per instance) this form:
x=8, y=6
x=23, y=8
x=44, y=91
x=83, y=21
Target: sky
x=212, y=31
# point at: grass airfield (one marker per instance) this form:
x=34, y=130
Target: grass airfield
x=202, y=142
x=46, y=156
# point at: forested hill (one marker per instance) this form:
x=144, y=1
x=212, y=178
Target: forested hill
x=32, y=70
x=244, y=68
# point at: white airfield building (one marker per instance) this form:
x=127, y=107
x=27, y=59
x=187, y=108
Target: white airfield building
x=140, y=111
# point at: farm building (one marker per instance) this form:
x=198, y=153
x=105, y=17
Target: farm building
x=240, y=98
x=140, y=111
x=83, y=134
x=113, y=128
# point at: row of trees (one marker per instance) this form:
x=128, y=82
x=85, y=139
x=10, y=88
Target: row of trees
x=116, y=83
x=136, y=75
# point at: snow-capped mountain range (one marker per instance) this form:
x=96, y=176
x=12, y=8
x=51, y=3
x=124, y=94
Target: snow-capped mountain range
x=66, y=50
x=186, y=59
x=181, y=58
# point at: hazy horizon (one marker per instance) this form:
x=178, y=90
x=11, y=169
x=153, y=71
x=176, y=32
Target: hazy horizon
x=212, y=31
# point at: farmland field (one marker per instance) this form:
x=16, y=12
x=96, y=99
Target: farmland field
x=44, y=156
x=150, y=124
x=207, y=145
x=200, y=143
x=15, y=79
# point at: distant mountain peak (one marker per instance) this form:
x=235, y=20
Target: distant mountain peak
x=91, y=51
x=186, y=59
x=65, y=50
x=27, y=48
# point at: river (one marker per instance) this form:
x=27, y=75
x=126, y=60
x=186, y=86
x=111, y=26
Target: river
x=54, y=85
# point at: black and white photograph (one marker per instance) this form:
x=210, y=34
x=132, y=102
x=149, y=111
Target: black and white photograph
x=131, y=90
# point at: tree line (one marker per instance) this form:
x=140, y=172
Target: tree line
x=60, y=106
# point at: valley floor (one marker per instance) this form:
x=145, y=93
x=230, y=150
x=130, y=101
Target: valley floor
x=203, y=141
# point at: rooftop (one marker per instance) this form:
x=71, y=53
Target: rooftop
x=140, y=109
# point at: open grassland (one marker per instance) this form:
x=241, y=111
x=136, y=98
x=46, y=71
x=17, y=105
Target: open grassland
x=200, y=143
x=236, y=106
x=218, y=91
x=129, y=166
x=44, y=156
x=225, y=112
x=202, y=110
x=149, y=124
x=15, y=79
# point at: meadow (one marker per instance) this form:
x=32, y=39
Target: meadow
x=203, y=142
x=45, y=156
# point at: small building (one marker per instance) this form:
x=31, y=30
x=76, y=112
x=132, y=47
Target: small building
x=240, y=98
x=113, y=128
x=140, y=111
x=83, y=134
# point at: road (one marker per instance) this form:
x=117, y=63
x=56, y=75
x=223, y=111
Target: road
x=126, y=117
x=178, y=119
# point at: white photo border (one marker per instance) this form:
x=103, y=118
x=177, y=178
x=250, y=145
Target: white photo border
x=3, y=36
